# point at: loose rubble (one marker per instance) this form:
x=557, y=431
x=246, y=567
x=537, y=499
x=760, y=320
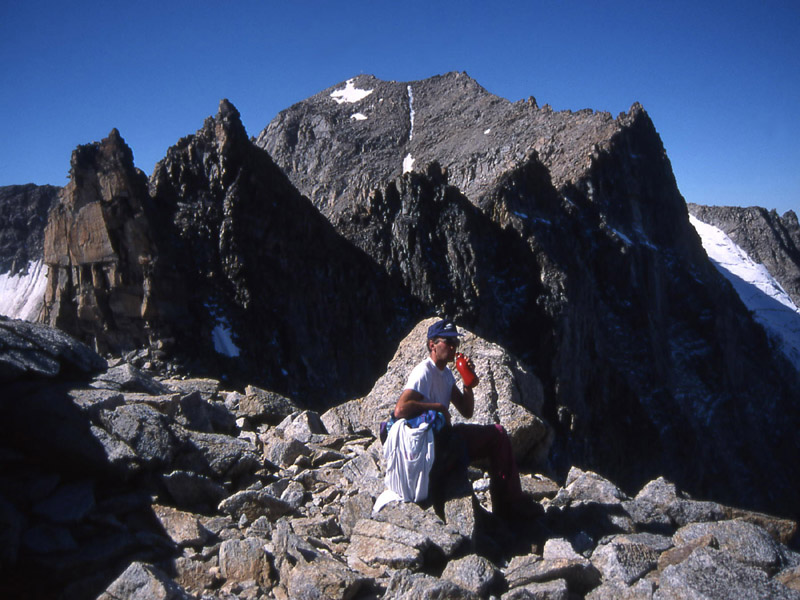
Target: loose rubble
x=134, y=486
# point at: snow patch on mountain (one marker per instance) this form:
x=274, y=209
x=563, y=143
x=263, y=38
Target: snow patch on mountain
x=350, y=93
x=223, y=339
x=222, y=335
x=411, y=113
x=770, y=304
x=22, y=295
x=408, y=163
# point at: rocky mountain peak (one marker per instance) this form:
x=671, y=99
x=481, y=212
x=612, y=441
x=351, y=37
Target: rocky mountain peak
x=358, y=136
x=228, y=127
x=102, y=171
x=100, y=248
x=222, y=143
x=227, y=110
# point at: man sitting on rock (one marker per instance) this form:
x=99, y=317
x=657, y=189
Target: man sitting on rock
x=431, y=386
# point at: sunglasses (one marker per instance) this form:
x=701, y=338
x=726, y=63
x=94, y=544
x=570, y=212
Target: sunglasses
x=453, y=343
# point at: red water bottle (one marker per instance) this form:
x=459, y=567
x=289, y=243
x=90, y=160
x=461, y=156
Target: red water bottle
x=467, y=374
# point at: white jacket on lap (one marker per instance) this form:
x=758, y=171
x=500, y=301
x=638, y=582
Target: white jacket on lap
x=408, y=453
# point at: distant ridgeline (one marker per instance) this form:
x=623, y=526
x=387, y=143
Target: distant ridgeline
x=299, y=259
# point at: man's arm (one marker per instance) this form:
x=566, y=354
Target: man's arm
x=463, y=401
x=411, y=404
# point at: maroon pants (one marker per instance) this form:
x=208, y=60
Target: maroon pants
x=468, y=442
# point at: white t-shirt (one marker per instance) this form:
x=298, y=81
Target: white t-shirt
x=433, y=384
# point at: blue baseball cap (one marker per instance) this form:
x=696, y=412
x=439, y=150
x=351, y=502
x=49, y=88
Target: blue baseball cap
x=444, y=328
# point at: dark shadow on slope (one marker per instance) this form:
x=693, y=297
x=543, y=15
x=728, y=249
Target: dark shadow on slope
x=76, y=503
x=62, y=537
x=302, y=302
x=661, y=371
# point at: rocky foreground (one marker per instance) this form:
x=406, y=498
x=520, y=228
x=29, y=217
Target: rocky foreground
x=116, y=483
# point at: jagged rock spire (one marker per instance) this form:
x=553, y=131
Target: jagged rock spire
x=100, y=249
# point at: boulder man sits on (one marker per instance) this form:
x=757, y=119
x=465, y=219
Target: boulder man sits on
x=431, y=388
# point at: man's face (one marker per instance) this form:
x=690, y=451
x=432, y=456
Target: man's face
x=444, y=349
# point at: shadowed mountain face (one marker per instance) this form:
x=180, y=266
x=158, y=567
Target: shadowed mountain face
x=298, y=260
x=309, y=312
x=562, y=236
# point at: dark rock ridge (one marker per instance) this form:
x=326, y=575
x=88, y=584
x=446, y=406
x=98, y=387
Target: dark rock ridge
x=311, y=313
x=768, y=238
x=219, y=263
x=563, y=237
x=114, y=484
x=23, y=216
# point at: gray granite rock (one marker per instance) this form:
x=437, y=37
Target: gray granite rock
x=405, y=584
x=325, y=577
x=144, y=582
x=220, y=456
x=144, y=430
x=32, y=349
x=624, y=560
x=664, y=498
x=556, y=589
x=713, y=575
x=264, y=406
x=302, y=426
x=742, y=541
x=615, y=590
x=474, y=573
x=253, y=504
x=190, y=489
x=281, y=451
x=559, y=561
x=244, y=560
x=589, y=487
x=127, y=378
x=182, y=527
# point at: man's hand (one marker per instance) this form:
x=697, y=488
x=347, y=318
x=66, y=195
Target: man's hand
x=472, y=368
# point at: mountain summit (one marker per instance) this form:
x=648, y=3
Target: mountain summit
x=562, y=236
x=366, y=132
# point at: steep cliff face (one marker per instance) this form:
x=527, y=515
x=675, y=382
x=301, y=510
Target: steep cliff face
x=562, y=236
x=100, y=249
x=768, y=238
x=304, y=309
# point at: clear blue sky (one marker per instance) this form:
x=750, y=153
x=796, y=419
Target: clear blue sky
x=721, y=80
